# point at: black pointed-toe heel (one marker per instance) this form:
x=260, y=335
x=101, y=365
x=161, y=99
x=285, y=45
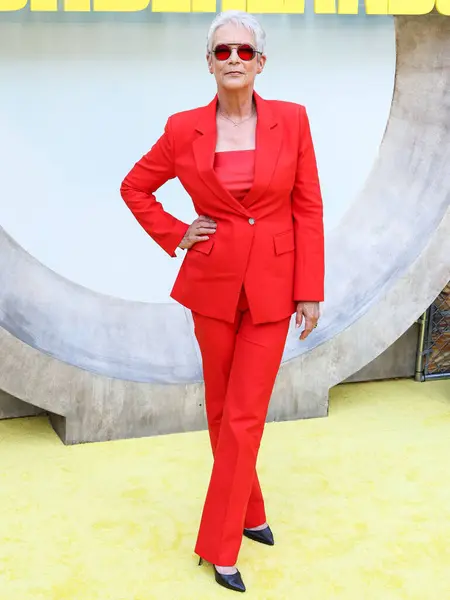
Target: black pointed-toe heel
x=263, y=536
x=231, y=582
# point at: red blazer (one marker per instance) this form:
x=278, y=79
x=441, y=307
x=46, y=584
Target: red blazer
x=272, y=241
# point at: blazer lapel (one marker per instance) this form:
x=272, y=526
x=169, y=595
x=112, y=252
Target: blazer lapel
x=204, y=148
x=268, y=145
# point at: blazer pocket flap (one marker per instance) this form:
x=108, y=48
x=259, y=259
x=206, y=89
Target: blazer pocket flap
x=284, y=242
x=204, y=247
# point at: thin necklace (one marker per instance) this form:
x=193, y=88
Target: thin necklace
x=236, y=124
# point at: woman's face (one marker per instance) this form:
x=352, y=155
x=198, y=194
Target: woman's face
x=234, y=73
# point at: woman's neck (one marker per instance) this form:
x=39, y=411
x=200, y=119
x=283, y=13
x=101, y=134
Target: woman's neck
x=237, y=104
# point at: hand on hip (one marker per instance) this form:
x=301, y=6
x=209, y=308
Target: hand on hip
x=199, y=231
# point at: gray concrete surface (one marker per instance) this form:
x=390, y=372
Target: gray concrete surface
x=11, y=407
x=116, y=369
x=397, y=361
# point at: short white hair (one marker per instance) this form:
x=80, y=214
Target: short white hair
x=238, y=17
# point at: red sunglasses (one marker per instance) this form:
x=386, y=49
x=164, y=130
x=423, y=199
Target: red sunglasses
x=244, y=51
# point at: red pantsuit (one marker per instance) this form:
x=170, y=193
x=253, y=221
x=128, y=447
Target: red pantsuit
x=242, y=284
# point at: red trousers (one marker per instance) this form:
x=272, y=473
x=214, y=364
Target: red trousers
x=240, y=364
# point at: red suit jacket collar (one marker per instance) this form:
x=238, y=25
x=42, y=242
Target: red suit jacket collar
x=268, y=144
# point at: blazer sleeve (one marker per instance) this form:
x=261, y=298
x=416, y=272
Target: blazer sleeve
x=307, y=209
x=137, y=189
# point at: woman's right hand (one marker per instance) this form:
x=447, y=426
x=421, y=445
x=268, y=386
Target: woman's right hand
x=199, y=231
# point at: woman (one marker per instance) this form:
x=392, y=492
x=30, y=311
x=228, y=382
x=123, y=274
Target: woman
x=254, y=257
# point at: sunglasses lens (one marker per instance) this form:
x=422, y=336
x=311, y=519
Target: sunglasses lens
x=246, y=52
x=222, y=52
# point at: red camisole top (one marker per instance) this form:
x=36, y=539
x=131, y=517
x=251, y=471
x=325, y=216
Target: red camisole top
x=235, y=171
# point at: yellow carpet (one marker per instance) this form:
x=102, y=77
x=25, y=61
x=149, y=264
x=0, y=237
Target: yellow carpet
x=359, y=503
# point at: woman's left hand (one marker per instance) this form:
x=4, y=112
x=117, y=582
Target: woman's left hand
x=311, y=312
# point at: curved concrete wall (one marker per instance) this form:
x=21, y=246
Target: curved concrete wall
x=387, y=260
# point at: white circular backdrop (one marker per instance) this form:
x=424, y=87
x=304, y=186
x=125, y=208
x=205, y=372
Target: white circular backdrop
x=82, y=103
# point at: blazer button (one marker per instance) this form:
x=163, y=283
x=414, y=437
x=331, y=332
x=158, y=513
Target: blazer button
x=251, y=221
